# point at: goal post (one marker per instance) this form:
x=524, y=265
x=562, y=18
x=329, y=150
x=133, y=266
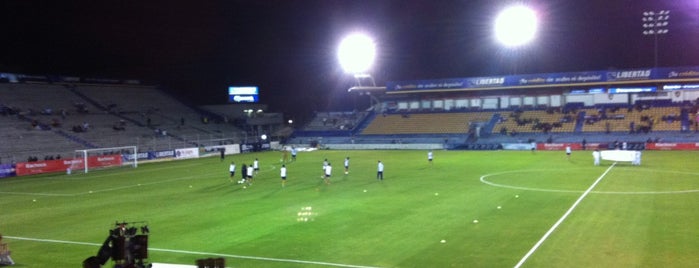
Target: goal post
x=99, y=158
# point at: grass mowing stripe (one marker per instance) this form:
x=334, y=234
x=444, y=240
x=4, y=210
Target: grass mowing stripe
x=565, y=215
x=199, y=253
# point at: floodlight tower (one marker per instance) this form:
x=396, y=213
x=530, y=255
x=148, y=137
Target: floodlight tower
x=655, y=23
x=515, y=26
x=356, y=54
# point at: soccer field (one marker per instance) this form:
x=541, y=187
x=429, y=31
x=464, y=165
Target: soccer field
x=537, y=209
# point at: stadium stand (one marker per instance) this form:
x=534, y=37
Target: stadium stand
x=424, y=123
x=42, y=120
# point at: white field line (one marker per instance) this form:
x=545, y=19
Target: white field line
x=198, y=176
x=565, y=215
x=199, y=253
x=483, y=179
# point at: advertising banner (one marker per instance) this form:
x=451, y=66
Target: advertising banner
x=216, y=149
x=104, y=161
x=7, y=171
x=187, y=153
x=672, y=146
x=161, y=154
x=547, y=79
x=518, y=146
x=130, y=157
x=558, y=146
x=61, y=165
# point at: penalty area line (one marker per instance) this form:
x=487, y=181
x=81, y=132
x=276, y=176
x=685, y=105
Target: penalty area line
x=565, y=215
x=198, y=253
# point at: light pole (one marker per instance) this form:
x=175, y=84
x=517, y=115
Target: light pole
x=655, y=23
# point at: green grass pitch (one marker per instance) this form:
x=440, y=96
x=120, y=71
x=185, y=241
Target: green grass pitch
x=420, y=215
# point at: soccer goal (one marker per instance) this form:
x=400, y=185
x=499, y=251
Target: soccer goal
x=100, y=158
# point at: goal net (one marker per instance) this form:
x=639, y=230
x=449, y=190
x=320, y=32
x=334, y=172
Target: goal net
x=100, y=158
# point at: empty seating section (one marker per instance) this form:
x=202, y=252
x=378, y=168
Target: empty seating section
x=151, y=107
x=47, y=119
x=632, y=120
x=328, y=121
x=427, y=123
x=609, y=119
x=531, y=121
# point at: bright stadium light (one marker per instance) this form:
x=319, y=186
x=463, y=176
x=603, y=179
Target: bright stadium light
x=655, y=23
x=356, y=53
x=516, y=26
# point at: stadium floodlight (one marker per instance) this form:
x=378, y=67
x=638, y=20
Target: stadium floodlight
x=655, y=23
x=356, y=53
x=515, y=26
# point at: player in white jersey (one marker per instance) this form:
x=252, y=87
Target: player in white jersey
x=256, y=166
x=328, y=171
x=596, y=155
x=347, y=165
x=231, y=169
x=282, y=173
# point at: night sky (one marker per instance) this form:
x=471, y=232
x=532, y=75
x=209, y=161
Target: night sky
x=196, y=49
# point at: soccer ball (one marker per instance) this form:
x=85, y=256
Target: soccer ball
x=245, y=187
x=475, y=221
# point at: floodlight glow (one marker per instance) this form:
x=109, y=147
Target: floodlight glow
x=356, y=53
x=515, y=26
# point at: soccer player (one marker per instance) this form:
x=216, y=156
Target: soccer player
x=251, y=170
x=429, y=157
x=231, y=169
x=244, y=173
x=596, y=155
x=347, y=165
x=636, y=158
x=379, y=171
x=293, y=153
x=325, y=165
x=282, y=173
x=328, y=171
x=285, y=156
x=568, y=152
x=256, y=166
